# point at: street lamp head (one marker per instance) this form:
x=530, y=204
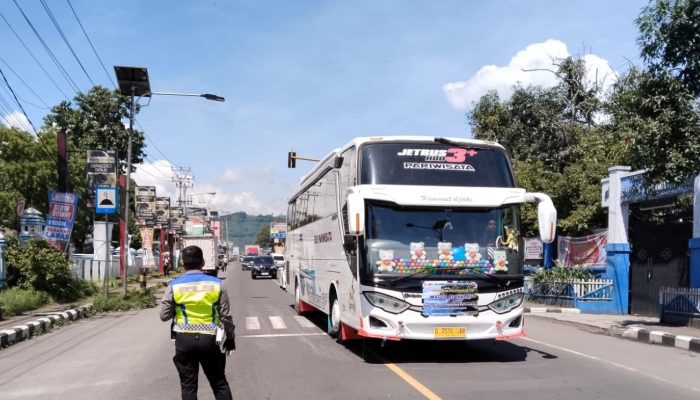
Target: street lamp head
x=214, y=97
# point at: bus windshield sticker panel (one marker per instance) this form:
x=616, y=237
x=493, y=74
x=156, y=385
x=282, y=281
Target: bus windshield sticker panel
x=439, y=159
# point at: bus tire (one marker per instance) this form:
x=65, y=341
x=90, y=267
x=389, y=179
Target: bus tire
x=334, y=317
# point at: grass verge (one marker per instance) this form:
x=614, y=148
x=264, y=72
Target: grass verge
x=133, y=300
x=16, y=300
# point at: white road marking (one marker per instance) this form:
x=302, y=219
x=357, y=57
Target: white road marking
x=277, y=323
x=283, y=335
x=305, y=323
x=252, y=323
x=614, y=364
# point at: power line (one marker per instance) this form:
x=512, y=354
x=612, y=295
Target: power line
x=93, y=47
x=17, y=100
x=65, y=39
x=153, y=162
x=25, y=84
x=34, y=57
x=63, y=71
x=153, y=143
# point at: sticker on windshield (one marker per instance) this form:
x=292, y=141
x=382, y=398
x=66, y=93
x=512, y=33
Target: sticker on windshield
x=438, y=166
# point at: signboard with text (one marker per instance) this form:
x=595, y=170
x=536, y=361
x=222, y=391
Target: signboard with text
x=278, y=230
x=60, y=219
x=101, y=170
x=162, y=217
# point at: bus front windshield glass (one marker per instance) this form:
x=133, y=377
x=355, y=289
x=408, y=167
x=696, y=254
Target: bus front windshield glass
x=422, y=242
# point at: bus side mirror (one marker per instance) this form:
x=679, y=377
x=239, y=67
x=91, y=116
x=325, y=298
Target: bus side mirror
x=338, y=162
x=356, y=214
x=547, y=219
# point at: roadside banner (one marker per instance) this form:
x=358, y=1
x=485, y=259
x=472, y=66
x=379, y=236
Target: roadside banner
x=146, y=204
x=163, y=212
x=147, y=247
x=177, y=222
x=588, y=251
x=60, y=219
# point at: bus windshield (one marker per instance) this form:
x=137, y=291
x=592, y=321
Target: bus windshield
x=435, y=164
x=403, y=241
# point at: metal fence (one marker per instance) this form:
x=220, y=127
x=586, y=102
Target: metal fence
x=594, y=290
x=679, y=302
x=85, y=267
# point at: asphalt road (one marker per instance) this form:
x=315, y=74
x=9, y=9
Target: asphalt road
x=283, y=356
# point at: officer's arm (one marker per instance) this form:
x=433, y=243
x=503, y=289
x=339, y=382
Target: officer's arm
x=167, y=305
x=225, y=313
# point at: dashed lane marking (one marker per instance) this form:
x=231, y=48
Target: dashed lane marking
x=277, y=323
x=252, y=323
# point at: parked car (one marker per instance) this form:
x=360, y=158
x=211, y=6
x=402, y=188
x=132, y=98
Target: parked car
x=247, y=262
x=263, y=266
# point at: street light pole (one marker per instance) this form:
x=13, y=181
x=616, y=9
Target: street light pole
x=125, y=244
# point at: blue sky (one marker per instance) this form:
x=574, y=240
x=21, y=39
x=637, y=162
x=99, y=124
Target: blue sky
x=302, y=75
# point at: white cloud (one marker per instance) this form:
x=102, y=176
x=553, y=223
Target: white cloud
x=17, y=120
x=463, y=94
x=231, y=175
x=243, y=191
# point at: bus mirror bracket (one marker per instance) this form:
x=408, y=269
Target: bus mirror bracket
x=349, y=242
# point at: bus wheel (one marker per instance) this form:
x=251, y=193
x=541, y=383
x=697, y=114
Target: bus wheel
x=334, y=318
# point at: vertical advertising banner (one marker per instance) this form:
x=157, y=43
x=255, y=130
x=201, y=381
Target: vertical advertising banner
x=177, y=222
x=163, y=212
x=60, y=219
x=146, y=205
x=147, y=247
x=101, y=171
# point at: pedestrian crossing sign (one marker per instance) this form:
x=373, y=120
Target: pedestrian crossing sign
x=106, y=200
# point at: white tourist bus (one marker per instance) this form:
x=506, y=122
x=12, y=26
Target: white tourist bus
x=412, y=237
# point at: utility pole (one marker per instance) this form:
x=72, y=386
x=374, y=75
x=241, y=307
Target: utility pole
x=183, y=180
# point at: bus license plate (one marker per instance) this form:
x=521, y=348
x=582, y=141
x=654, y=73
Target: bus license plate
x=450, y=332
x=264, y=273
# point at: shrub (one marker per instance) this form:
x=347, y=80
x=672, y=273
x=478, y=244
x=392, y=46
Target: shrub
x=555, y=279
x=135, y=299
x=36, y=265
x=17, y=300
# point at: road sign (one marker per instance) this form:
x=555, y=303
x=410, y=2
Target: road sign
x=106, y=200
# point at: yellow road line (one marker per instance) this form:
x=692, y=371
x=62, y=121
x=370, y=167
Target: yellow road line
x=413, y=382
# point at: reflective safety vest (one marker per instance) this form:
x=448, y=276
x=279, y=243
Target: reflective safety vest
x=196, y=298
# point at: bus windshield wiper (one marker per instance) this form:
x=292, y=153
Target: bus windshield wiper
x=460, y=144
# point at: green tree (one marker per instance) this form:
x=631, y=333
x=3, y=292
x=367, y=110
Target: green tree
x=95, y=121
x=669, y=40
x=263, y=238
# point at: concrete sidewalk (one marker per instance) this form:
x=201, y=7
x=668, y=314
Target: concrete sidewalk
x=643, y=329
x=18, y=328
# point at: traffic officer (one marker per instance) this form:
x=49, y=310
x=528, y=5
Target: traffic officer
x=199, y=304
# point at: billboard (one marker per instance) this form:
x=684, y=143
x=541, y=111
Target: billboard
x=278, y=230
x=101, y=171
x=177, y=221
x=162, y=211
x=146, y=204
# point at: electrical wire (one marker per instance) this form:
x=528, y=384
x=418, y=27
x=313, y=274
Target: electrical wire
x=63, y=71
x=65, y=39
x=25, y=84
x=65, y=96
x=17, y=100
x=90, y=41
x=153, y=143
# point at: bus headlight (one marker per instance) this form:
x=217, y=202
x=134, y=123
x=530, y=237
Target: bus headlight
x=508, y=303
x=386, y=303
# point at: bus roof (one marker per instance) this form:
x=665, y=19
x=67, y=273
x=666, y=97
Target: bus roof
x=327, y=161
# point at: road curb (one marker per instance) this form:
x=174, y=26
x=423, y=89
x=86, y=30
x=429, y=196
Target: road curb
x=644, y=335
x=30, y=329
x=538, y=310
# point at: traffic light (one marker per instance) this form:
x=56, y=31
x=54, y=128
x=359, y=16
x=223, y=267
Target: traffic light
x=292, y=159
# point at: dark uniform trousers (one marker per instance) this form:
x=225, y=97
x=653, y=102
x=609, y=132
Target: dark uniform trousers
x=191, y=350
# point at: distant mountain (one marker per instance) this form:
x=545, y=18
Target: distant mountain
x=244, y=228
